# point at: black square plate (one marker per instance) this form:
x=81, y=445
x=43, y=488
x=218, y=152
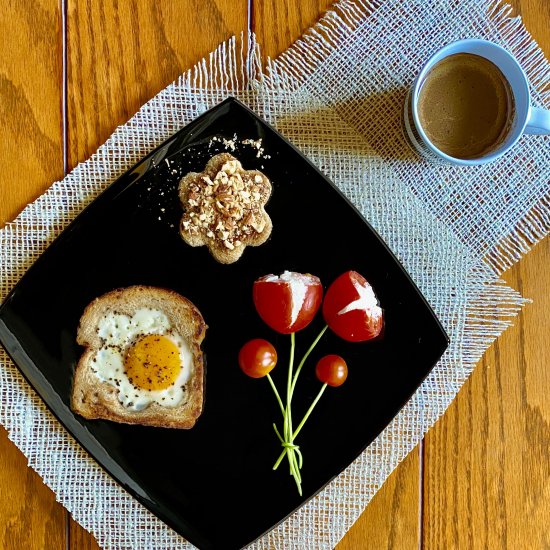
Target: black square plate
x=214, y=484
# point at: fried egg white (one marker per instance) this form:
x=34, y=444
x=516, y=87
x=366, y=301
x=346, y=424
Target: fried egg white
x=143, y=357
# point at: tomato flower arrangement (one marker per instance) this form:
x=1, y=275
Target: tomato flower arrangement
x=287, y=304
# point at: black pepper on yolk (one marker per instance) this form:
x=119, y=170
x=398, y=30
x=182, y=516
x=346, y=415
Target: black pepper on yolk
x=153, y=362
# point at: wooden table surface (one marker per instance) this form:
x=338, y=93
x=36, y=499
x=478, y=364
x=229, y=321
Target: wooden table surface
x=70, y=72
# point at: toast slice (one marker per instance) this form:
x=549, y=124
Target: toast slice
x=224, y=208
x=94, y=398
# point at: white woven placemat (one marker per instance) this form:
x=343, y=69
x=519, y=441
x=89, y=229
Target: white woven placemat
x=337, y=94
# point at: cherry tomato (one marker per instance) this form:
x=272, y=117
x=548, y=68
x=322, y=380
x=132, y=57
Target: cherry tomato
x=351, y=308
x=257, y=358
x=332, y=370
x=287, y=303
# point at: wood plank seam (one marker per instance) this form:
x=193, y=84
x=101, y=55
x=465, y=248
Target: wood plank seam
x=65, y=129
x=64, y=87
x=250, y=15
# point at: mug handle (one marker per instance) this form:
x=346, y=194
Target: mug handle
x=538, y=121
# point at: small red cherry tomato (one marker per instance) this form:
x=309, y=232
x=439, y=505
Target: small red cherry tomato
x=257, y=358
x=351, y=308
x=289, y=302
x=332, y=370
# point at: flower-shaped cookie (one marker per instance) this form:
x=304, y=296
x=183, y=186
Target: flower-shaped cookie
x=224, y=208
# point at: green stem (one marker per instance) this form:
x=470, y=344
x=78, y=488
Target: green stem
x=310, y=410
x=304, y=358
x=301, y=425
x=295, y=470
x=280, y=459
x=279, y=400
x=297, y=464
x=298, y=481
x=301, y=462
x=278, y=434
x=295, y=458
x=288, y=411
x=290, y=369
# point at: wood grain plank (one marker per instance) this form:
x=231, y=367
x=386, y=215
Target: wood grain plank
x=31, y=155
x=30, y=517
x=31, y=148
x=487, y=463
x=120, y=54
x=279, y=23
x=391, y=520
x=536, y=17
x=80, y=539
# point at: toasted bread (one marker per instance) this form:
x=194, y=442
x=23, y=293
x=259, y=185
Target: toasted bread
x=224, y=208
x=94, y=398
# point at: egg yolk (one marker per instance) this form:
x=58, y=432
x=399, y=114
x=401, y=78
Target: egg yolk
x=153, y=362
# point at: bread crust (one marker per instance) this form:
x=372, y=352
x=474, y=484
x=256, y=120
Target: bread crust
x=95, y=399
x=216, y=247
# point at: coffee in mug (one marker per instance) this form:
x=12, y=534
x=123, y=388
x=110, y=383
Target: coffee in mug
x=466, y=106
x=470, y=104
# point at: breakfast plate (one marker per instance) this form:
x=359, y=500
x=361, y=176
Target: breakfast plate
x=214, y=483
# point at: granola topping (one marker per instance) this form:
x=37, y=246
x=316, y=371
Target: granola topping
x=226, y=208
